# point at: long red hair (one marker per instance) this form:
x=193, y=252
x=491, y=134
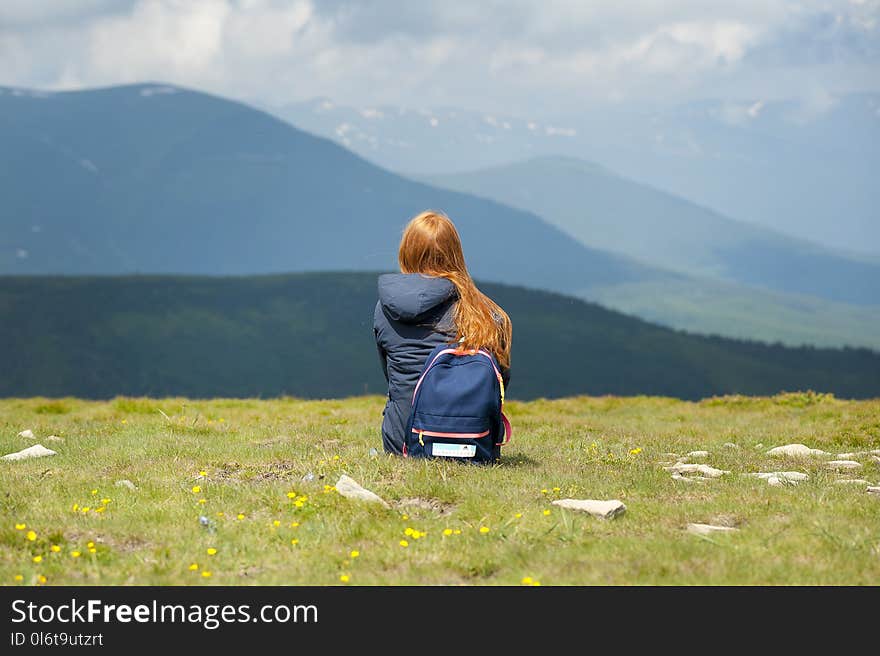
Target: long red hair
x=431, y=246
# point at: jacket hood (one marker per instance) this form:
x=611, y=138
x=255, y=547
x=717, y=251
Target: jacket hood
x=408, y=297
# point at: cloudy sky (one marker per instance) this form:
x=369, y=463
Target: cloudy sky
x=517, y=56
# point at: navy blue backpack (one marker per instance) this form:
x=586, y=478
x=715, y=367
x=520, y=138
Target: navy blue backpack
x=457, y=408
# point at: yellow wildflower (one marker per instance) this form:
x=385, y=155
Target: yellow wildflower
x=403, y=543
x=354, y=554
x=42, y=579
x=203, y=501
x=547, y=512
x=336, y=457
x=408, y=531
x=38, y=559
x=527, y=580
x=19, y=577
x=556, y=489
x=92, y=550
x=294, y=524
x=196, y=489
x=219, y=513
x=518, y=515
x=101, y=509
x=344, y=578
x=206, y=574
x=636, y=451
x=90, y=544
x=276, y=523
x=86, y=509
x=194, y=567
x=484, y=530
x=31, y=535
x=20, y=527
x=457, y=531
x=240, y=516
x=106, y=501
x=75, y=554
x=203, y=474
x=291, y=495
x=211, y=551
x=294, y=542
x=94, y=492
x=447, y=531
x=544, y=491
x=404, y=517
x=298, y=503
x=55, y=548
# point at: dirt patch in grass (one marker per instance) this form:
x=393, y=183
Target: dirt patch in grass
x=418, y=503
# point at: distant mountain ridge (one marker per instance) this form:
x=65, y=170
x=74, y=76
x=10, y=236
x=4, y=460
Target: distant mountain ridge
x=806, y=169
x=154, y=178
x=604, y=210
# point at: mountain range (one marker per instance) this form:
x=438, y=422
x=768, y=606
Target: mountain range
x=154, y=178
x=805, y=168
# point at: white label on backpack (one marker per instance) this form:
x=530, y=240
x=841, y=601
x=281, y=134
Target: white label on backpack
x=453, y=450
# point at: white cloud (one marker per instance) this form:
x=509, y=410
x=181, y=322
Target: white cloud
x=510, y=56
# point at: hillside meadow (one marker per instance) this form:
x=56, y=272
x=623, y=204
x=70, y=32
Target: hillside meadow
x=261, y=474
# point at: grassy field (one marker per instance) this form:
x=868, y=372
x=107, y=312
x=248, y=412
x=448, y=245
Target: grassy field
x=241, y=463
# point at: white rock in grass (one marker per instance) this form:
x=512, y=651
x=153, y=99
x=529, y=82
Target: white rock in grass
x=688, y=479
x=705, y=470
x=27, y=433
x=698, y=454
x=707, y=529
x=796, y=450
x=791, y=477
x=601, y=509
x=730, y=445
x=874, y=452
x=35, y=451
x=844, y=464
x=126, y=483
x=54, y=438
x=351, y=489
x=874, y=490
x=851, y=481
x=876, y=460
x=850, y=456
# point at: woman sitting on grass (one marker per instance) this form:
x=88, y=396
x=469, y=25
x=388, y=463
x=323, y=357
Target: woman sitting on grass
x=432, y=301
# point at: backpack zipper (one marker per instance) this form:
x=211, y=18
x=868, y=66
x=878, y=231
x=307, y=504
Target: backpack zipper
x=464, y=436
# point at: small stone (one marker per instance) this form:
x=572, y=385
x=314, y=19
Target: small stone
x=597, y=508
x=874, y=490
x=707, y=529
x=351, y=489
x=54, y=438
x=796, y=450
x=688, y=479
x=308, y=478
x=730, y=445
x=126, y=483
x=775, y=481
x=792, y=477
x=851, y=481
x=874, y=452
x=844, y=464
x=27, y=434
x=35, y=451
x=373, y=452
x=698, y=454
x=705, y=470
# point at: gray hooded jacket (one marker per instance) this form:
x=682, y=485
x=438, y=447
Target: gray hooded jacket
x=414, y=315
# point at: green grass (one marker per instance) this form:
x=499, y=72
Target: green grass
x=255, y=452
